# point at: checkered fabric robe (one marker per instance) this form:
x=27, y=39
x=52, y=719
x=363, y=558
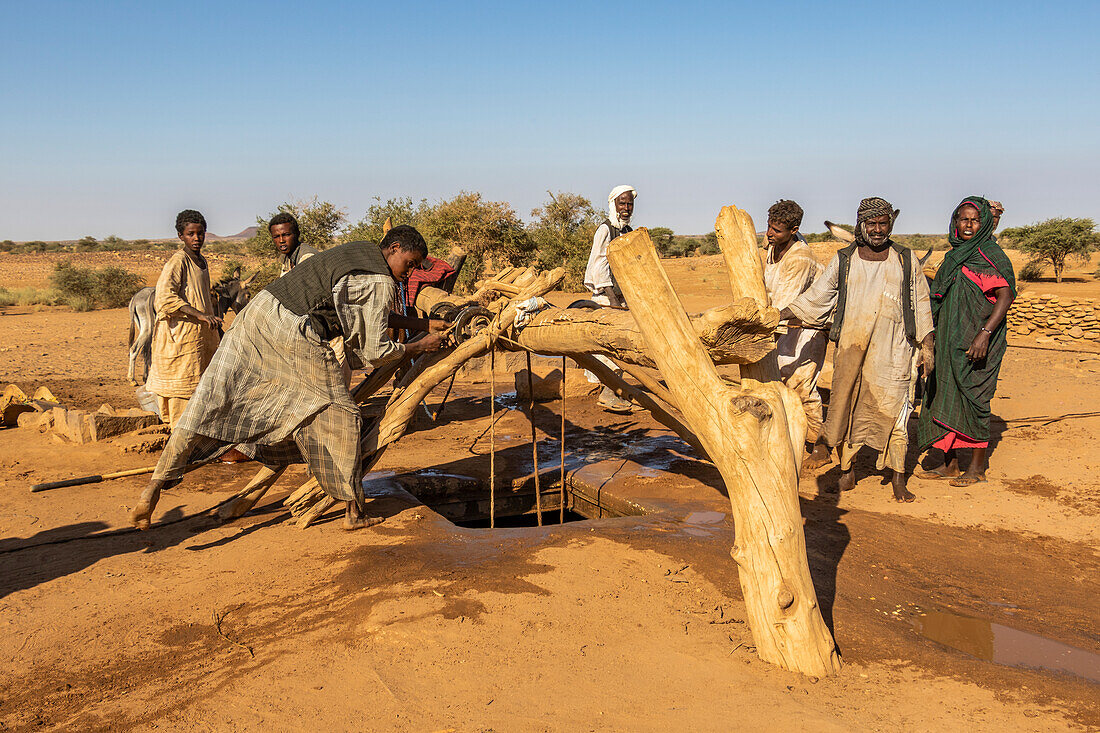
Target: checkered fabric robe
x=276, y=389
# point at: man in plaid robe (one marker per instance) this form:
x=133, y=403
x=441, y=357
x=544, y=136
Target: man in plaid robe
x=274, y=388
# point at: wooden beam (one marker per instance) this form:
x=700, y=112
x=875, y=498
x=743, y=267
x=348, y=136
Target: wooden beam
x=752, y=435
x=737, y=333
x=737, y=240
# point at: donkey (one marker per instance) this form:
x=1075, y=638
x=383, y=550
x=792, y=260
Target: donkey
x=230, y=294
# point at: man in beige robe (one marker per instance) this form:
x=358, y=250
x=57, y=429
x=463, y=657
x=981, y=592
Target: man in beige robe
x=790, y=268
x=878, y=296
x=185, y=334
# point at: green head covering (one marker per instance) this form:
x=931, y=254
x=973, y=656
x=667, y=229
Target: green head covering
x=980, y=253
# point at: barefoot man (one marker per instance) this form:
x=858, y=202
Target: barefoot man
x=789, y=270
x=882, y=313
x=274, y=387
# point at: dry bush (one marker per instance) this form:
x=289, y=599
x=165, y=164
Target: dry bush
x=85, y=289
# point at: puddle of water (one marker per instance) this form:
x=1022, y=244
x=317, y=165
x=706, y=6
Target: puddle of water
x=705, y=518
x=1001, y=644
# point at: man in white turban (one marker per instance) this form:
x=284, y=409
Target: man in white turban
x=599, y=279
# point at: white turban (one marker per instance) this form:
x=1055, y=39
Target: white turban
x=613, y=215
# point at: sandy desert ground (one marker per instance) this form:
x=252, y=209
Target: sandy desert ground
x=949, y=612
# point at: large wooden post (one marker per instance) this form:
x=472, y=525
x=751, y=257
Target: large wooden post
x=754, y=436
x=737, y=240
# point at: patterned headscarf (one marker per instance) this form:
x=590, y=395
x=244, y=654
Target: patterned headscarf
x=980, y=253
x=872, y=208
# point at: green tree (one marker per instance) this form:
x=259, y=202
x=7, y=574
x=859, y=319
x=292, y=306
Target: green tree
x=7, y=245
x=1054, y=241
x=318, y=222
x=662, y=238
x=86, y=244
x=113, y=243
x=710, y=244
x=397, y=210
x=561, y=234
x=489, y=232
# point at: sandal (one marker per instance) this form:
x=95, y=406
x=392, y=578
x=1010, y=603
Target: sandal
x=964, y=480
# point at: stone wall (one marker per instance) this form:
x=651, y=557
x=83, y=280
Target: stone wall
x=1058, y=318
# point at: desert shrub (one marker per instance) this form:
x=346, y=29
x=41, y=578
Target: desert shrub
x=227, y=247
x=1032, y=271
x=663, y=240
x=86, y=288
x=80, y=303
x=921, y=242
x=29, y=296
x=7, y=245
x=562, y=233
x=113, y=286
x=400, y=210
x=72, y=281
x=265, y=275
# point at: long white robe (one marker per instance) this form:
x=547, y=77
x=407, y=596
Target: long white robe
x=801, y=351
x=874, y=369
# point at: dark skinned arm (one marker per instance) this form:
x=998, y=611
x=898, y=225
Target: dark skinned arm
x=786, y=315
x=980, y=346
x=197, y=315
x=426, y=325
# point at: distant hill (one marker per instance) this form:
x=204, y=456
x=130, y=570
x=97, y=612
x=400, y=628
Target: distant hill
x=246, y=233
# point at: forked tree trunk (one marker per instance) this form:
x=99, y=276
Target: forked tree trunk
x=754, y=436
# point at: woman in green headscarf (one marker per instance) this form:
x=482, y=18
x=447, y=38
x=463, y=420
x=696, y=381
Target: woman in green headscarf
x=971, y=294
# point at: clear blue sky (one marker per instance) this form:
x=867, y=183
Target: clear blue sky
x=118, y=114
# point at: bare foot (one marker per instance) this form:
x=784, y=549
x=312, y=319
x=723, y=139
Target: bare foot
x=821, y=456
x=142, y=513
x=361, y=523
x=901, y=494
x=968, y=479
x=355, y=517
x=847, y=481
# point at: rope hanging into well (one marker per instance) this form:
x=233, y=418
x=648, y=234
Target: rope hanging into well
x=561, y=509
x=534, y=439
x=492, y=436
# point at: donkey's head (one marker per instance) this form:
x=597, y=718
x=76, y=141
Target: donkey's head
x=231, y=293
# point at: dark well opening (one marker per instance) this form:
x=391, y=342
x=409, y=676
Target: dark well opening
x=522, y=520
x=464, y=500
